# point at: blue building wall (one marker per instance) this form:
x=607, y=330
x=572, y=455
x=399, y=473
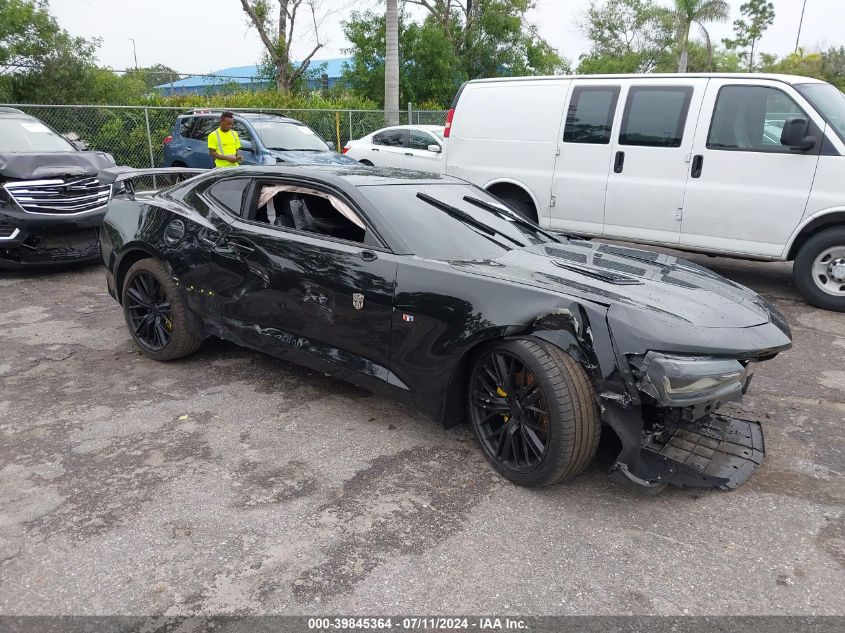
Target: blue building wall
x=245, y=77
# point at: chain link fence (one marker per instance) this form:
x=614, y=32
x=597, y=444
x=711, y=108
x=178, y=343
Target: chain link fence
x=135, y=135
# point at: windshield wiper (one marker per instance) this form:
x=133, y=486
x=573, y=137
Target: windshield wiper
x=514, y=217
x=279, y=149
x=465, y=217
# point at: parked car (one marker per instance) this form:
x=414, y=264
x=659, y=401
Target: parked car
x=405, y=146
x=50, y=200
x=738, y=165
x=266, y=139
x=431, y=289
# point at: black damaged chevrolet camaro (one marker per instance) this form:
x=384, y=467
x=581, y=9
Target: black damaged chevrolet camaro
x=431, y=289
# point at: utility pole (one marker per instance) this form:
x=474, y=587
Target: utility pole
x=800, y=24
x=134, y=52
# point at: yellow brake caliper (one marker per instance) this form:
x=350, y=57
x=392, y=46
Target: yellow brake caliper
x=504, y=394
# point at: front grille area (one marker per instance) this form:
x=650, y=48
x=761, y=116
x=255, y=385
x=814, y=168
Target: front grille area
x=64, y=197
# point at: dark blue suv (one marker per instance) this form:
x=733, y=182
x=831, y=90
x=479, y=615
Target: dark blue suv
x=266, y=139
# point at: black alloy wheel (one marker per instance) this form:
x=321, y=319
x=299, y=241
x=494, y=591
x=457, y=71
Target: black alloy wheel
x=148, y=311
x=156, y=313
x=534, y=411
x=510, y=411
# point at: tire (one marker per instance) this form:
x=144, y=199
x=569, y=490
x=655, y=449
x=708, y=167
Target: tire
x=175, y=180
x=569, y=431
x=149, y=278
x=367, y=163
x=819, y=269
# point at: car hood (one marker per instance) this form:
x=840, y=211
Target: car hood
x=661, y=285
x=37, y=165
x=312, y=158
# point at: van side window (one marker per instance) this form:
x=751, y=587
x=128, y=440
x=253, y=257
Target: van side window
x=655, y=116
x=590, y=115
x=751, y=118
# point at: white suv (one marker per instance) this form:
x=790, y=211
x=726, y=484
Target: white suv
x=740, y=165
x=417, y=147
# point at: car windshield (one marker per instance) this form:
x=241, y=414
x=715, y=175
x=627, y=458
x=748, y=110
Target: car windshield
x=29, y=135
x=289, y=136
x=829, y=101
x=452, y=221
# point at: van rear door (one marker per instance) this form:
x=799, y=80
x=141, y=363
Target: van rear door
x=583, y=161
x=650, y=160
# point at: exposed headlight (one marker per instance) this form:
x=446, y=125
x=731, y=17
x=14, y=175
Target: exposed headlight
x=680, y=381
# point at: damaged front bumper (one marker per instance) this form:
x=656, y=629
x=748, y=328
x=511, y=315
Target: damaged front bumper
x=717, y=451
x=32, y=240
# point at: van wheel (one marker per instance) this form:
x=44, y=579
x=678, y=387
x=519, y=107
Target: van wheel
x=533, y=411
x=366, y=162
x=819, y=269
x=515, y=198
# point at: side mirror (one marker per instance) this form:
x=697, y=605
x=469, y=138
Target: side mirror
x=434, y=148
x=331, y=145
x=247, y=146
x=796, y=136
x=82, y=146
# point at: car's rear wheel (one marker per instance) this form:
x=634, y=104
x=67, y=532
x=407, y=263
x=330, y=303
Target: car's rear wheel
x=175, y=180
x=819, y=269
x=533, y=411
x=155, y=312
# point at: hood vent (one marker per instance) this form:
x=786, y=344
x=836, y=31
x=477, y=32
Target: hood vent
x=602, y=275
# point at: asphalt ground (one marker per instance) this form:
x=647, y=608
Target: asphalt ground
x=233, y=483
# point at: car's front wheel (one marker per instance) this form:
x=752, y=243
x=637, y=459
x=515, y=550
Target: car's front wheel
x=533, y=411
x=819, y=269
x=155, y=312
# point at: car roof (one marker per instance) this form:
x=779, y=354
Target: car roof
x=344, y=175
x=252, y=116
x=789, y=79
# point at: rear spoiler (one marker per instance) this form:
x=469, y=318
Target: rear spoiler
x=125, y=175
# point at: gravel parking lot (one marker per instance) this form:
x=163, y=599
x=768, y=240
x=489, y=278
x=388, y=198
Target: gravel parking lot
x=230, y=482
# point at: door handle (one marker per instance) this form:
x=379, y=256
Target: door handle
x=408, y=154
x=697, y=164
x=619, y=162
x=368, y=256
x=373, y=149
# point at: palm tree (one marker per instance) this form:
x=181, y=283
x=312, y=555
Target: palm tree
x=391, y=63
x=689, y=12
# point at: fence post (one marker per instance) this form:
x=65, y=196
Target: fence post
x=410, y=113
x=350, y=124
x=150, y=144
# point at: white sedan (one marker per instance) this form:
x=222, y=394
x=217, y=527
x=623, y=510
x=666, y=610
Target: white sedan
x=417, y=147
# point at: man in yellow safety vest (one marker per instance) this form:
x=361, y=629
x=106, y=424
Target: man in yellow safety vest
x=223, y=143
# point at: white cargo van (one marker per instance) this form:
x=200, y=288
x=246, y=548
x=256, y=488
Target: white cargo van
x=743, y=165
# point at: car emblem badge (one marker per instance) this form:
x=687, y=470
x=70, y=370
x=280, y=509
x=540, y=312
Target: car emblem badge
x=357, y=300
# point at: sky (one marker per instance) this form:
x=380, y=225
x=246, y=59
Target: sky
x=200, y=36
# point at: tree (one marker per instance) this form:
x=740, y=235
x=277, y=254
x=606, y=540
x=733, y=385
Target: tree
x=758, y=16
x=699, y=12
x=277, y=35
x=391, y=73
x=499, y=41
x=626, y=36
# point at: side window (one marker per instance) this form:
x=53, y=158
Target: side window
x=391, y=138
x=421, y=140
x=305, y=209
x=242, y=130
x=655, y=116
x=230, y=193
x=751, y=118
x=185, y=124
x=590, y=115
x=204, y=126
